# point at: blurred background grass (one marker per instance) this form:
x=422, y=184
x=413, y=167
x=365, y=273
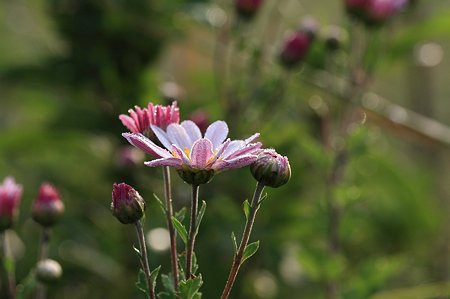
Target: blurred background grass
x=69, y=68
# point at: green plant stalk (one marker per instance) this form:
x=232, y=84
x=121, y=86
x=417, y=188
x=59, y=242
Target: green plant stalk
x=8, y=276
x=172, y=233
x=237, y=260
x=144, y=259
x=192, y=231
x=41, y=291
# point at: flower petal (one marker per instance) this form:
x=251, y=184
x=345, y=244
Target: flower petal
x=145, y=144
x=192, y=131
x=177, y=135
x=252, y=148
x=129, y=123
x=181, y=154
x=173, y=162
x=251, y=138
x=201, y=153
x=162, y=136
x=234, y=146
x=238, y=162
x=217, y=132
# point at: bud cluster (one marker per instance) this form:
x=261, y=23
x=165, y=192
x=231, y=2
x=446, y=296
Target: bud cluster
x=374, y=12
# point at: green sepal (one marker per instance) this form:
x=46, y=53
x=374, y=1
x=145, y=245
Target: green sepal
x=246, y=207
x=249, y=250
x=181, y=230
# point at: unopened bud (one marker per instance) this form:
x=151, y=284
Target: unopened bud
x=271, y=169
x=127, y=205
x=48, y=271
x=247, y=9
x=48, y=207
x=310, y=26
x=10, y=195
x=295, y=48
x=333, y=38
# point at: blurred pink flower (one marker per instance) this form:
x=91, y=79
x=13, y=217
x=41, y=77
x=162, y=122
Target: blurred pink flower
x=140, y=119
x=48, y=207
x=295, y=48
x=247, y=8
x=186, y=149
x=127, y=205
x=10, y=195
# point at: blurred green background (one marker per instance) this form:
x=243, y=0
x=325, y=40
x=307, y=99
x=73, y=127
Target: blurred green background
x=68, y=68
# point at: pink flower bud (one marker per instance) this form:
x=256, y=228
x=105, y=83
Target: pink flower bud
x=127, y=205
x=10, y=195
x=48, y=207
x=357, y=8
x=295, y=48
x=247, y=9
x=271, y=169
x=380, y=11
x=200, y=118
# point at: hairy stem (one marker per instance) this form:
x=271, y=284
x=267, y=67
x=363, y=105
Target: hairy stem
x=237, y=260
x=41, y=290
x=172, y=233
x=144, y=259
x=192, y=231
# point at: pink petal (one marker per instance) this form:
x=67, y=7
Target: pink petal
x=145, y=144
x=129, y=123
x=238, y=162
x=234, y=146
x=217, y=132
x=251, y=138
x=252, y=148
x=192, y=130
x=177, y=135
x=162, y=136
x=220, y=151
x=181, y=154
x=173, y=162
x=201, y=153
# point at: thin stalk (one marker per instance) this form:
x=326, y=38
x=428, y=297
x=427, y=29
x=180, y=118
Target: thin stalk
x=8, y=274
x=144, y=259
x=172, y=233
x=237, y=260
x=192, y=231
x=41, y=290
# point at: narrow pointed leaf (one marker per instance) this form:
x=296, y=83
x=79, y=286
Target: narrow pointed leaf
x=262, y=199
x=180, y=214
x=160, y=203
x=154, y=274
x=250, y=250
x=233, y=238
x=141, y=283
x=180, y=229
x=246, y=208
x=200, y=215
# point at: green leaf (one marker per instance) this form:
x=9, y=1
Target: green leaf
x=27, y=286
x=246, y=208
x=164, y=295
x=262, y=199
x=161, y=204
x=154, y=274
x=141, y=282
x=233, y=238
x=189, y=288
x=249, y=250
x=180, y=214
x=200, y=215
x=167, y=282
x=180, y=229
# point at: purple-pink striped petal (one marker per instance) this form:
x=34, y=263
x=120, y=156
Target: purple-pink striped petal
x=145, y=144
x=173, y=162
x=251, y=138
x=252, y=148
x=192, y=131
x=201, y=153
x=177, y=135
x=181, y=154
x=238, y=162
x=162, y=136
x=217, y=132
x=129, y=123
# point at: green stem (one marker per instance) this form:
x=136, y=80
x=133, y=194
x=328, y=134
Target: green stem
x=41, y=291
x=172, y=233
x=144, y=259
x=237, y=260
x=8, y=272
x=192, y=231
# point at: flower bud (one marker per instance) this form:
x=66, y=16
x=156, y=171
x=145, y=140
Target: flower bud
x=295, y=48
x=200, y=118
x=333, y=38
x=381, y=11
x=310, y=26
x=127, y=205
x=271, y=169
x=247, y=9
x=48, y=271
x=10, y=195
x=48, y=207
x=196, y=177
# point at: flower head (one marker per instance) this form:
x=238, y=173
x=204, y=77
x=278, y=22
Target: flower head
x=247, y=9
x=10, y=195
x=271, y=169
x=197, y=158
x=140, y=119
x=127, y=205
x=295, y=48
x=48, y=207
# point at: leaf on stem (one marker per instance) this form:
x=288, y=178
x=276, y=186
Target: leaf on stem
x=246, y=208
x=249, y=250
x=141, y=282
x=180, y=214
x=181, y=230
x=167, y=281
x=154, y=274
x=233, y=238
x=200, y=215
x=262, y=199
x=27, y=286
x=189, y=288
x=161, y=204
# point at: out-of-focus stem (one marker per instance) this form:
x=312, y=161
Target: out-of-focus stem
x=41, y=290
x=8, y=276
x=192, y=231
x=237, y=260
x=172, y=233
x=144, y=259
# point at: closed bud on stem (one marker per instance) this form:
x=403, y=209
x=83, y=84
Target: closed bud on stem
x=10, y=195
x=48, y=271
x=127, y=205
x=295, y=48
x=271, y=169
x=48, y=207
x=247, y=9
